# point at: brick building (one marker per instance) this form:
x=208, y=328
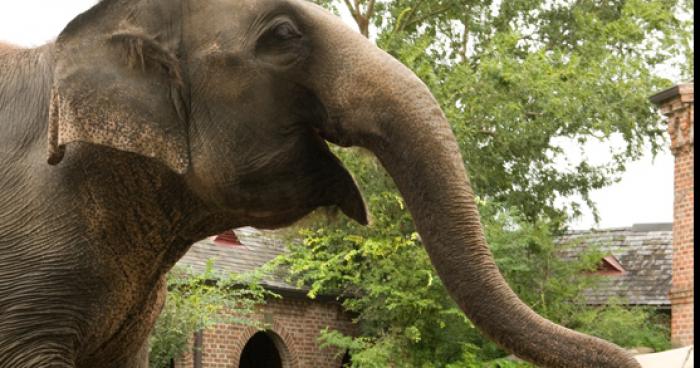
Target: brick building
x=676, y=104
x=295, y=320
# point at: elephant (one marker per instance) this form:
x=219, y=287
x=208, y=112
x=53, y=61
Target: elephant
x=150, y=124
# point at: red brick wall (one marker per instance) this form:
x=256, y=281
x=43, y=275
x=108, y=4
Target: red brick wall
x=678, y=109
x=295, y=326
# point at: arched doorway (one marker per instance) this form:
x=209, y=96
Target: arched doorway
x=261, y=352
x=345, y=363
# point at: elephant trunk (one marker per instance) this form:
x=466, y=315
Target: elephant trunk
x=423, y=158
x=375, y=102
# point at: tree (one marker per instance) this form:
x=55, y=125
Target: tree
x=197, y=300
x=518, y=80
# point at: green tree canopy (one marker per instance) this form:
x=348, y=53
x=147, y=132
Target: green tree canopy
x=516, y=79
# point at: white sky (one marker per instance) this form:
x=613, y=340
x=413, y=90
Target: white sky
x=645, y=193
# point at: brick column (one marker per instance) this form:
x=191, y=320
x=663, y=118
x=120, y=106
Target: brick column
x=676, y=104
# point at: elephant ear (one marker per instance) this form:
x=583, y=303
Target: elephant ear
x=118, y=82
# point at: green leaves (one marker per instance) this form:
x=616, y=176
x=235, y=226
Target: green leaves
x=651, y=328
x=384, y=277
x=196, y=301
x=531, y=73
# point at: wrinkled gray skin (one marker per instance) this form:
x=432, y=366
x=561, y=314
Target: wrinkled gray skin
x=168, y=121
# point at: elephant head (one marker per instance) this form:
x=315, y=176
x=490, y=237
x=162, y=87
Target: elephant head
x=239, y=98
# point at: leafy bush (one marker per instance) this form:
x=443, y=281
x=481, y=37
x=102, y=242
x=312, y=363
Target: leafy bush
x=612, y=322
x=405, y=315
x=196, y=301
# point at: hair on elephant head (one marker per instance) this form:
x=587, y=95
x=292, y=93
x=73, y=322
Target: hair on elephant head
x=237, y=100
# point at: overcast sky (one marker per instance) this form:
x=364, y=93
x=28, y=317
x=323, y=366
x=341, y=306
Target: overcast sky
x=644, y=195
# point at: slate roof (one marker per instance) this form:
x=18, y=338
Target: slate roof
x=257, y=248
x=643, y=250
x=645, y=253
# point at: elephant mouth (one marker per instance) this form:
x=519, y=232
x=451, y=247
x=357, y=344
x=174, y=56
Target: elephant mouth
x=345, y=195
x=277, y=219
x=326, y=185
x=284, y=218
x=341, y=194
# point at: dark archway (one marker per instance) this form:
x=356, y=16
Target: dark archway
x=345, y=363
x=260, y=352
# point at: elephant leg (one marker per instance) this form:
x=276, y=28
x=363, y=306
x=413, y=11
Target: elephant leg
x=140, y=359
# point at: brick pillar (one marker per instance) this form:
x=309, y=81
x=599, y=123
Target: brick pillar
x=676, y=103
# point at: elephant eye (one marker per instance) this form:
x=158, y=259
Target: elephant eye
x=285, y=31
x=282, y=44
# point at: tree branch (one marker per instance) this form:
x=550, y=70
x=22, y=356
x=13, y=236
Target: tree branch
x=352, y=10
x=465, y=37
x=370, y=10
x=431, y=14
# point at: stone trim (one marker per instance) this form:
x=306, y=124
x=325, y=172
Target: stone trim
x=283, y=341
x=677, y=105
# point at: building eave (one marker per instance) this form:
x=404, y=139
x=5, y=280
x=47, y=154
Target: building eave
x=670, y=93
